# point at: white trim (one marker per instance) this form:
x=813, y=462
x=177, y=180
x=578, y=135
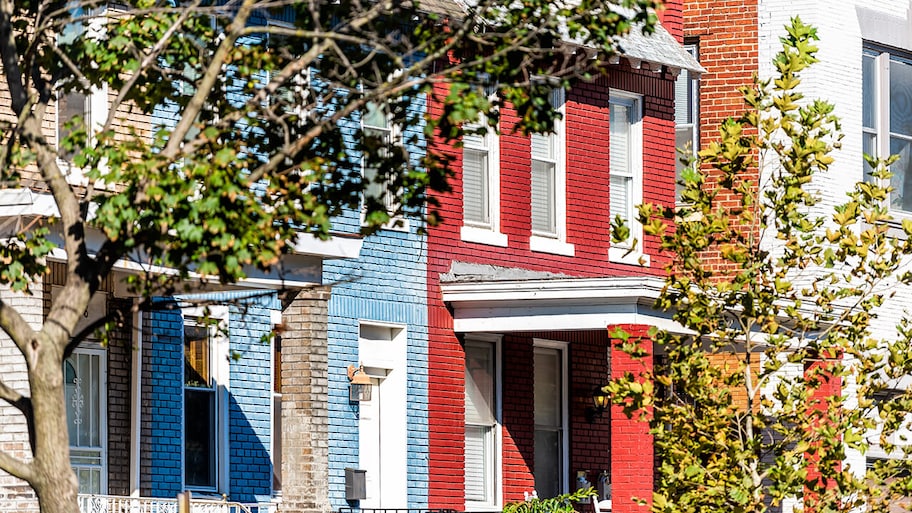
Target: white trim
x=551, y=245
x=562, y=347
x=135, y=405
x=620, y=288
x=102, y=354
x=483, y=236
x=634, y=103
x=398, y=223
x=497, y=341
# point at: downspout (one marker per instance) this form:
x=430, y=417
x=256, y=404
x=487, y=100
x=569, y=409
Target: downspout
x=136, y=404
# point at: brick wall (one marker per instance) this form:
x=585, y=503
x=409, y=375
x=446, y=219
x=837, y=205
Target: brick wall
x=518, y=419
x=587, y=228
x=305, y=458
x=631, y=443
x=120, y=358
x=387, y=283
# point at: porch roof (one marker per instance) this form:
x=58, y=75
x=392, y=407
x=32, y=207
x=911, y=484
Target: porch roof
x=491, y=299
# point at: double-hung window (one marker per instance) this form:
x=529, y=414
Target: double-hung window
x=687, y=128
x=481, y=185
x=625, y=171
x=205, y=411
x=377, y=127
x=549, y=186
x=482, y=425
x=887, y=118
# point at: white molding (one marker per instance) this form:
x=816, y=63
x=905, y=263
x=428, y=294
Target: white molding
x=634, y=102
x=496, y=340
x=623, y=289
x=541, y=244
x=623, y=255
x=483, y=236
x=562, y=347
x=135, y=405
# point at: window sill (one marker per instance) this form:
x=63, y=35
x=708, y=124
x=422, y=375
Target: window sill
x=483, y=236
x=482, y=508
x=617, y=255
x=548, y=245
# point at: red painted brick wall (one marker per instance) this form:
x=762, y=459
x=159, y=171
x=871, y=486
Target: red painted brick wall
x=587, y=228
x=672, y=18
x=631, y=444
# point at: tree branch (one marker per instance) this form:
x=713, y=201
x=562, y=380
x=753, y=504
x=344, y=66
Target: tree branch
x=10, y=57
x=12, y=323
x=16, y=467
x=14, y=398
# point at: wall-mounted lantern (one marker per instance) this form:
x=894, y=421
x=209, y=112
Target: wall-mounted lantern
x=360, y=386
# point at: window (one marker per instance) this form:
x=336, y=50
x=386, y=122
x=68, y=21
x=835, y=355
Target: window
x=205, y=411
x=377, y=128
x=687, y=118
x=482, y=424
x=887, y=118
x=625, y=171
x=86, y=400
x=550, y=399
x=481, y=186
x=549, y=186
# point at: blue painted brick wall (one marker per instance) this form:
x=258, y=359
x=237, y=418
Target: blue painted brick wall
x=249, y=398
x=387, y=283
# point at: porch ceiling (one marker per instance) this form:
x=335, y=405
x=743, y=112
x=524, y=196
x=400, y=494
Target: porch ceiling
x=555, y=303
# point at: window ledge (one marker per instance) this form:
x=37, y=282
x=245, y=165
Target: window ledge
x=549, y=245
x=617, y=255
x=483, y=236
x=482, y=508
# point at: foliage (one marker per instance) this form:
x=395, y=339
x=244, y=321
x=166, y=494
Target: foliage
x=780, y=381
x=561, y=504
x=234, y=131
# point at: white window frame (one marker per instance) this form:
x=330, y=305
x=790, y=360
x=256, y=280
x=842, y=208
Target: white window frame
x=621, y=253
x=486, y=233
x=394, y=134
x=219, y=352
x=562, y=347
x=882, y=131
x=556, y=241
x=495, y=502
x=91, y=348
x=693, y=100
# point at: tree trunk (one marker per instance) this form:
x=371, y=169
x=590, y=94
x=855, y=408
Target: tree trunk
x=54, y=481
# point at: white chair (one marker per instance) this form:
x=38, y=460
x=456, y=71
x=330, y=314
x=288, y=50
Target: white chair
x=603, y=506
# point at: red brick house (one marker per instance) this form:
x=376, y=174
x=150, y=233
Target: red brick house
x=525, y=288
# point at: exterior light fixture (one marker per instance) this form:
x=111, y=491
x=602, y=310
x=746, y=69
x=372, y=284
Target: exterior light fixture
x=360, y=386
x=600, y=402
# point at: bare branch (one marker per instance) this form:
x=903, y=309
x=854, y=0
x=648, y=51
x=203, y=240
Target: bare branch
x=14, y=398
x=10, y=57
x=16, y=467
x=12, y=323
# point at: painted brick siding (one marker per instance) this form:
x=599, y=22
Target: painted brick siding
x=162, y=403
x=387, y=283
x=631, y=443
x=250, y=399
x=588, y=228
x=16, y=495
x=120, y=358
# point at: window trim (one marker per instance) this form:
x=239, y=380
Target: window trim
x=219, y=345
x=618, y=253
x=92, y=348
x=497, y=496
x=476, y=232
x=556, y=243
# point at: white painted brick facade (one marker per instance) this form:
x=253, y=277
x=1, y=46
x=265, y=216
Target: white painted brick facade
x=14, y=493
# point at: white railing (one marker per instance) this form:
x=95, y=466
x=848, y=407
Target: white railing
x=117, y=504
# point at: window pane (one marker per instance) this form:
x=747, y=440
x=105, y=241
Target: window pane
x=69, y=106
x=374, y=116
x=868, y=147
x=900, y=97
x=479, y=387
x=543, y=198
x=868, y=91
x=543, y=146
x=548, y=388
x=196, y=356
x=477, y=467
x=619, y=141
x=620, y=197
x=548, y=463
x=475, y=199
x=683, y=99
x=901, y=197
x=199, y=438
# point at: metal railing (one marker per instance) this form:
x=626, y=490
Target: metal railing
x=118, y=504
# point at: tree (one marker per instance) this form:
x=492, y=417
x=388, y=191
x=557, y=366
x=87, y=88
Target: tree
x=259, y=149
x=779, y=377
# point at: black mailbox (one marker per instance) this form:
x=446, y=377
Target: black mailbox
x=355, y=484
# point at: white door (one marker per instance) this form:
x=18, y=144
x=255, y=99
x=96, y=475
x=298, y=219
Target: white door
x=370, y=448
x=85, y=386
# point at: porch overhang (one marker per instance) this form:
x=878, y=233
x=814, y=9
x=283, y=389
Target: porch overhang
x=555, y=303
